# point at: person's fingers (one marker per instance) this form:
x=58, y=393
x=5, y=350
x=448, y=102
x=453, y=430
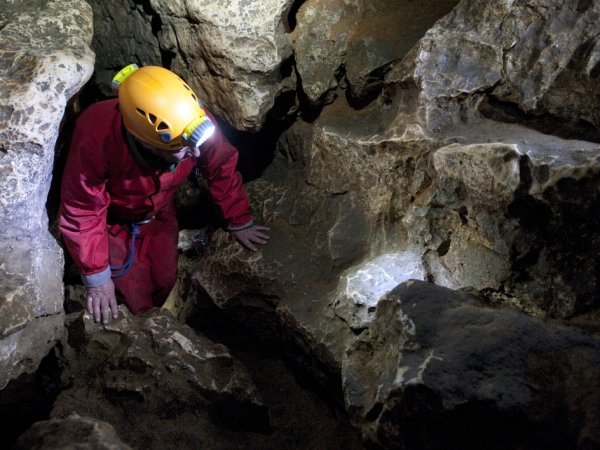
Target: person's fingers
x=258, y=240
x=105, y=311
x=248, y=244
x=90, y=305
x=113, y=307
x=96, y=307
x=250, y=236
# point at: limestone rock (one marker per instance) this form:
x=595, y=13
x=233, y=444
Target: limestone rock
x=46, y=60
x=358, y=186
x=436, y=92
x=230, y=53
x=161, y=369
x=71, y=432
x=483, y=204
x=487, y=172
x=358, y=39
x=326, y=201
x=537, y=69
x=30, y=305
x=320, y=44
x=436, y=367
x=235, y=52
x=124, y=33
x=23, y=349
x=361, y=287
x=552, y=56
x=480, y=234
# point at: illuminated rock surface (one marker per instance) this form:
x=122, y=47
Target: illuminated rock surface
x=493, y=197
x=46, y=59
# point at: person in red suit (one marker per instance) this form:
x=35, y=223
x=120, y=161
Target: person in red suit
x=127, y=158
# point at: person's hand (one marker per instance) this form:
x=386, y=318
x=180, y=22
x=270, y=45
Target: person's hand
x=249, y=237
x=101, y=301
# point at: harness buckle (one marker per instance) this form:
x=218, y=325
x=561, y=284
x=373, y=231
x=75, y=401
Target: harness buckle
x=144, y=222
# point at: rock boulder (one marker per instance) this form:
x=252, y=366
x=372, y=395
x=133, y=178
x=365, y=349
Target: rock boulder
x=46, y=59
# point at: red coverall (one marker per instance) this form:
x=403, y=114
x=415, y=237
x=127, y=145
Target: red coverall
x=105, y=188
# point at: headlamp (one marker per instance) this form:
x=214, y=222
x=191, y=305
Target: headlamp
x=198, y=131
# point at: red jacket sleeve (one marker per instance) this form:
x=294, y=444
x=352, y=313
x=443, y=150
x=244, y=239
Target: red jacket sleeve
x=218, y=163
x=84, y=201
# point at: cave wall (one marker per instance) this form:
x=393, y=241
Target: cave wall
x=231, y=53
x=428, y=163
x=453, y=142
x=426, y=159
x=450, y=142
x=46, y=59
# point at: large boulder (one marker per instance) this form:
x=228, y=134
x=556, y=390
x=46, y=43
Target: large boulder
x=46, y=59
x=436, y=369
x=354, y=43
x=71, y=432
x=536, y=61
x=149, y=375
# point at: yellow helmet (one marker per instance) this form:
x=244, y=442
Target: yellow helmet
x=160, y=109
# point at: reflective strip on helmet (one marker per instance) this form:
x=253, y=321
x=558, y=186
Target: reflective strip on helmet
x=121, y=75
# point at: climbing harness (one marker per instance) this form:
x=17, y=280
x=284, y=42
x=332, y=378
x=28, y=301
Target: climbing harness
x=134, y=231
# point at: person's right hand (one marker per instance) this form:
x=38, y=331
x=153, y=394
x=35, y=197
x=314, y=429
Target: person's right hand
x=101, y=301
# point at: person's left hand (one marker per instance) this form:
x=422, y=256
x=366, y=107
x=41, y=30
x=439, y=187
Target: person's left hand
x=249, y=237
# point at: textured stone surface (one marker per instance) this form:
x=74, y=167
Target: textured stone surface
x=527, y=56
x=487, y=172
x=481, y=230
x=231, y=53
x=31, y=307
x=320, y=45
x=434, y=357
x=124, y=33
x=488, y=194
x=235, y=53
x=151, y=375
x=46, y=59
x=355, y=42
x=552, y=57
x=362, y=287
x=23, y=349
x=71, y=432
x=467, y=141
